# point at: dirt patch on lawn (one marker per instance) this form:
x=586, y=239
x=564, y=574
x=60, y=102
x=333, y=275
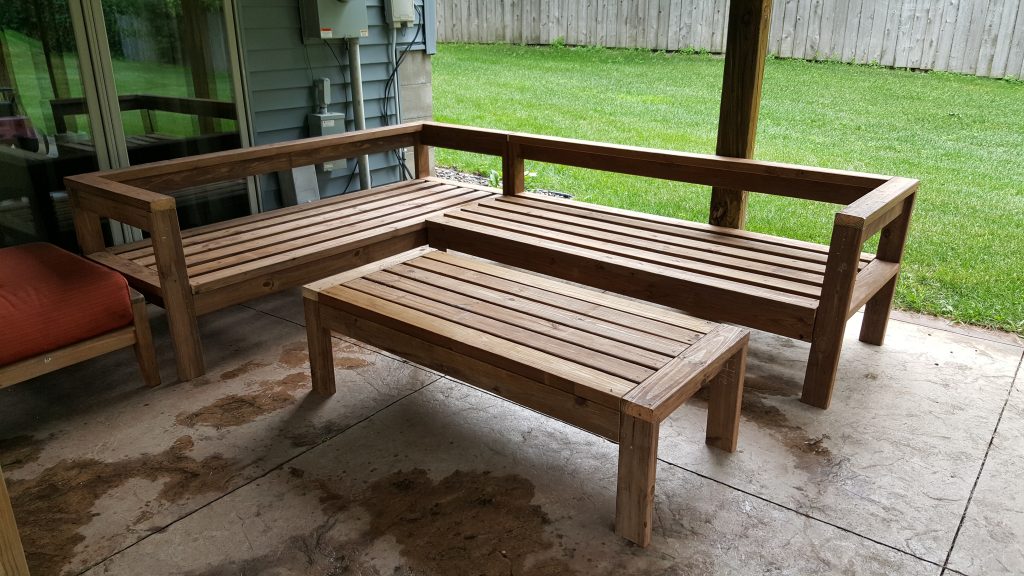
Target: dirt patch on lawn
x=52, y=507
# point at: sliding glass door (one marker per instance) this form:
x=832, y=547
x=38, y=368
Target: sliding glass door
x=108, y=84
x=40, y=66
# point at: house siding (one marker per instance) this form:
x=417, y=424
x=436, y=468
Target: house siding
x=279, y=72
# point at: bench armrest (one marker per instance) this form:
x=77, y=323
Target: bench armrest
x=846, y=286
x=94, y=197
x=878, y=208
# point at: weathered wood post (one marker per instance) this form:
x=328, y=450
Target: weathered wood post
x=745, y=49
x=12, y=556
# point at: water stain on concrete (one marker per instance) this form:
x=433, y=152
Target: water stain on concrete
x=469, y=523
x=242, y=370
x=755, y=408
x=20, y=450
x=237, y=409
x=349, y=363
x=53, y=506
x=294, y=355
x=794, y=437
x=769, y=386
x=308, y=435
x=317, y=553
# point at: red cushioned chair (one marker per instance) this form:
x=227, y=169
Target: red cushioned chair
x=57, y=309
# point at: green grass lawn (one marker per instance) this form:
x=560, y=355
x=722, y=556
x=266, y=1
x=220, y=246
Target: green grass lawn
x=962, y=136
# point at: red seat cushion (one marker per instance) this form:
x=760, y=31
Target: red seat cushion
x=50, y=298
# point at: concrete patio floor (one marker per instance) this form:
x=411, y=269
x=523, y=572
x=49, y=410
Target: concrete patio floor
x=913, y=470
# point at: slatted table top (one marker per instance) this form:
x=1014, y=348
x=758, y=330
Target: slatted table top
x=600, y=347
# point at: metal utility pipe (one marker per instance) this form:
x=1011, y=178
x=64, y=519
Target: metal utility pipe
x=356, y=74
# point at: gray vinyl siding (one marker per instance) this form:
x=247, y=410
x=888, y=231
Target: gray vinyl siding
x=279, y=83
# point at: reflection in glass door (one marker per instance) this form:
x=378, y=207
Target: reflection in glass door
x=91, y=84
x=171, y=68
x=39, y=69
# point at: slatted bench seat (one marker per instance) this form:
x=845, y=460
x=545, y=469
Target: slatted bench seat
x=763, y=281
x=775, y=284
x=251, y=254
x=757, y=280
x=610, y=365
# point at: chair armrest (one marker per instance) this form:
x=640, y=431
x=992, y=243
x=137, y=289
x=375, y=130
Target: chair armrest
x=878, y=208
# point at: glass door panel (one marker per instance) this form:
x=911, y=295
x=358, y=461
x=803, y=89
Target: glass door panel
x=171, y=69
x=46, y=132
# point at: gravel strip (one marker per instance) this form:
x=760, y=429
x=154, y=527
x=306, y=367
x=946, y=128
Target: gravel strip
x=466, y=177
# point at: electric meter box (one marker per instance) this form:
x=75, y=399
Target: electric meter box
x=399, y=13
x=327, y=124
x=333, y=20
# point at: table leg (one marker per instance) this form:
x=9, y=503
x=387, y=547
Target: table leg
x=321, y=355
x=724, y=403
x=638, y=459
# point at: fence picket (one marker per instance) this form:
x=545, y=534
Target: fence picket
x=983, y=37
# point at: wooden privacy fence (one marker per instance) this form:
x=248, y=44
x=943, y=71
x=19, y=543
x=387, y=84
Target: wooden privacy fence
x=981, y=37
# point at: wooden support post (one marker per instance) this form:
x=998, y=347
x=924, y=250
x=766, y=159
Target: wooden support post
x=199, y=55
x=890, y=248
x=88, y=229
x=638, y=460
x=830, y=319
x=144, y=351
x=513, y=171
x=421, y=158
x=177, y=293
x=321, y=356
x=12, y=555
x=724, y=403
x=745, y=50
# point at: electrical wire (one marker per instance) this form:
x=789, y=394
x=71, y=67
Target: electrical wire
x=385, y=112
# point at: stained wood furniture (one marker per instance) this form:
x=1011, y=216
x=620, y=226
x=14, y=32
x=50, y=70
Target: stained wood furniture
x=58, y=309
x=796, y=289
x=610, y=365
x=200, y=270
x=12, y=555
x=775, y=284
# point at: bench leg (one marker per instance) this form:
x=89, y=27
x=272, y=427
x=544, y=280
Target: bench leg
x=724, y=403
x=823, y=362
x=321, y=356
x=144, y=351
x=188, y=351
x=638, y=459
x=876, y=315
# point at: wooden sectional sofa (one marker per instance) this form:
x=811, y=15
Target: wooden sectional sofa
x=797, y=289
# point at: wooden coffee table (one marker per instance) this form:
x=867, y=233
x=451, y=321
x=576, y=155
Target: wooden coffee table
x=608, y=364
